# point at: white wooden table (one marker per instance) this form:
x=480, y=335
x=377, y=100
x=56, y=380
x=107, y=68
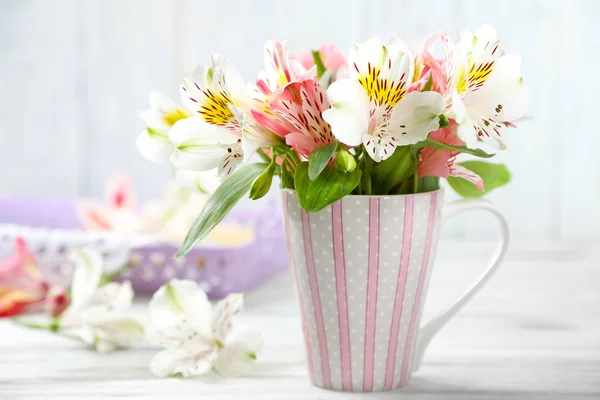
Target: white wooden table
x=533, y=333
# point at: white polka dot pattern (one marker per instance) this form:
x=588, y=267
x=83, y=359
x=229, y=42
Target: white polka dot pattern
x=382, y=264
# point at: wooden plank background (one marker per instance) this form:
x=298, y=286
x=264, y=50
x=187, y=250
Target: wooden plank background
x=74, y=75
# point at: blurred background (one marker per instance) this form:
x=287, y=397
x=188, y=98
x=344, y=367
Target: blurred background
x=75, y=74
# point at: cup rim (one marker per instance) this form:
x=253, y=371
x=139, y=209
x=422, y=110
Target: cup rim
x=381, y=196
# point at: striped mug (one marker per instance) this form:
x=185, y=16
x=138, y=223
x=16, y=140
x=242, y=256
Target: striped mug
x=362, y=268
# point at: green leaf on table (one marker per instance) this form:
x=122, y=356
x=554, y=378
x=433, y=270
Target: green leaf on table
x=220, y=203
x=463, y=149
x=319, y=63
x=493, y=176
x=329, y=187
x=393, y=171
x=262, y=183
x=319, y=158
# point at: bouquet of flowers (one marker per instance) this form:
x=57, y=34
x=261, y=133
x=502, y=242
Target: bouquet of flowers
x=388, y=120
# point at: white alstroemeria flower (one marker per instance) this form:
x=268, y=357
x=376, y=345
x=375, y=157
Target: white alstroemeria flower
x=372, y=107
x=201, y=146
x=490, y=87
x=221, y=134
x=153, y=143
x=197, y=337
x=97, y=315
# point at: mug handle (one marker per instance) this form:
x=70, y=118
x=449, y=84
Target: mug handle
x=432, y=327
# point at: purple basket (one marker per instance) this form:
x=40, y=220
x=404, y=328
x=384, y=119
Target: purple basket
x=219, y=271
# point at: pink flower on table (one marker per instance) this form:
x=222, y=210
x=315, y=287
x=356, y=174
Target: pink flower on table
x=22, y=285
x=301, y=105
x=57, y=300
x=331, y=54
x=441, y=163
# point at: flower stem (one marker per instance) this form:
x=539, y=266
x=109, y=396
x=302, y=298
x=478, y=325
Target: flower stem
x=294, y=157
x=52, y=327
x=263, y=155
x=416, y=182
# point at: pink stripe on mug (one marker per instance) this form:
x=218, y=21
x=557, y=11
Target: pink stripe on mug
x=372, y=281
x=316, y=298
x=341, y=292
x=286, y=224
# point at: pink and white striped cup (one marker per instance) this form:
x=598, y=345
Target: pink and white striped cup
x=362, y=268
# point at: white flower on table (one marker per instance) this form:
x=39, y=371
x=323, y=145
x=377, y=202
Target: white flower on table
x=98, y=314
x=197, y=337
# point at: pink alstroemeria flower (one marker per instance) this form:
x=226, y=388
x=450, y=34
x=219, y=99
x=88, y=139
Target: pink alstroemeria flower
x=439, y=162
x=22, y=286
x=117, y=214
x=301, y=105
x=280, y=71
x=427, y=67
x=331, y=54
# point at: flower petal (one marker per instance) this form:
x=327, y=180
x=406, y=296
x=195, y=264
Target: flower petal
x=16, y=301
x=116, y=295
x=154, y=146
x=94, y=216
x=349, y=112
x=462, y=172
x=223, y=312
x=504, y=90
x=466, y=131
x=227, y=76
x=201, y=146
x=384, y=72
x=177, y=300
x=209, y=92
x=503, y=99
x=239, y=354
x=119, y=192
x=380, y=145
x=163, y=113
x=88, y=266
x=205, y=182
x=171, y=362
x=415, y=117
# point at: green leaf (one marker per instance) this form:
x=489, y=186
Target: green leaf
x=391, y=172
x=319, y=158
x=262, y=183
x=319, y=63
x=344, y=161
x=462, y=149
x=429, y=84
x=329, y=187
x=220, y=203
x=493, y=175
x=429, y=184
x=287, y=177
